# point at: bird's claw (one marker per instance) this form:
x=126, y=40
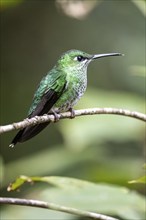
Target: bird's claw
x=72, y=113
x=56, y=116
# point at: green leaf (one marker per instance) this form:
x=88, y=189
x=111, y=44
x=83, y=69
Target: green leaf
x=140, y=180
x=104, y=198
x=18, y=183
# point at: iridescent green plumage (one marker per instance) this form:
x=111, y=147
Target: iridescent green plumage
x=60, y=89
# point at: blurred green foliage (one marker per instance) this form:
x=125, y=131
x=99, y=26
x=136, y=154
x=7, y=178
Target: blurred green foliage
x=84, y=195
x=140, y=179
x=101, y=148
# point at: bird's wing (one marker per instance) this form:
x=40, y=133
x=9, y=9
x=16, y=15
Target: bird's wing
x=44, y=104
x=50, y=96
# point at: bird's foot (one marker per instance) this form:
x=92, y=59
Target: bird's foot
x=72, y=111
x=56, y=116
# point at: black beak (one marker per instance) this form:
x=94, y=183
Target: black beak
x=96, y=56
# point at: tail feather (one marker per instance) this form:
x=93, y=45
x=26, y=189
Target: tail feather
x=27, y=133
x=16, y=138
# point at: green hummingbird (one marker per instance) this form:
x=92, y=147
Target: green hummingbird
x=59, y=90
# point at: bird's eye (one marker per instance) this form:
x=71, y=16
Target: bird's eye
x=80, y=58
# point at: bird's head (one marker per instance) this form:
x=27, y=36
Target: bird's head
x=79, y=59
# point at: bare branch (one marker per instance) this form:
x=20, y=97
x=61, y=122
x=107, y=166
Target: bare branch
x=92, y=111
x=55, y=207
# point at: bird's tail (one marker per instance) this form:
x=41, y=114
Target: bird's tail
x=27, y=133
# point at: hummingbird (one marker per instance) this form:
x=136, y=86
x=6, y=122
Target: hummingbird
x=59, y=90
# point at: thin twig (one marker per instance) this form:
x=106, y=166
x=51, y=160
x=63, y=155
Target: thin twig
x=52, y=206
x=91, y=111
